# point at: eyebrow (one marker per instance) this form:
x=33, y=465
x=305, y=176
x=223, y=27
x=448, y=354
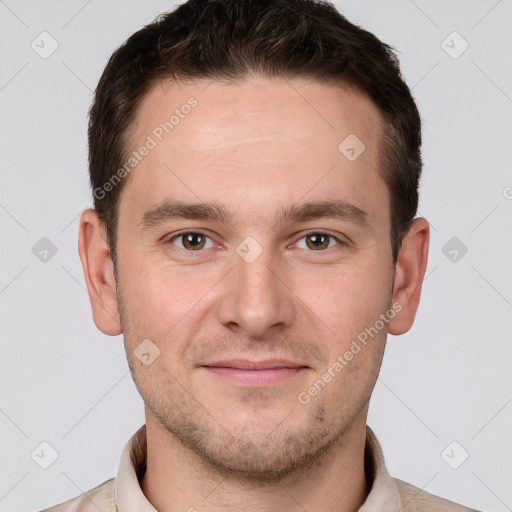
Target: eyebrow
x=333, y=209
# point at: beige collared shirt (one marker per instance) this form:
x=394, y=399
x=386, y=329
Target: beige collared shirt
x=123, y=493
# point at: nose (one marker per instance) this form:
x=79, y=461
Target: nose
x=257, y=296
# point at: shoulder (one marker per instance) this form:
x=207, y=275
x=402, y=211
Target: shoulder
x=417, y=500
x=100, y=498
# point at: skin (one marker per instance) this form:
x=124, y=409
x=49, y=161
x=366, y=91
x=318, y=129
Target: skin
x=256, y=146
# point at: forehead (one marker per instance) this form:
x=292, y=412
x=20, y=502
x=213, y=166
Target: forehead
x=231, y=111
x=254, y=141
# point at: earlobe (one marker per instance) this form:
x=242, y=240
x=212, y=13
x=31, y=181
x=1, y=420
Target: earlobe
x=410, y=271
x=99, y=273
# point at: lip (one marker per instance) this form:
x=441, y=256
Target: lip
x=247, y=373
x=247, y=364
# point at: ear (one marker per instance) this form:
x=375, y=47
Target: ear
x=410, y=271
x=99, y=273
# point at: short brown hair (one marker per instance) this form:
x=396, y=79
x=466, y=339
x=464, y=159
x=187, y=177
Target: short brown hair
x=234, y=39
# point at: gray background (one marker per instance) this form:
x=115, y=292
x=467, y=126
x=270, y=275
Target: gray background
x=448, y=379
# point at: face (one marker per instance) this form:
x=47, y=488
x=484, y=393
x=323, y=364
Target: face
x=251, y=297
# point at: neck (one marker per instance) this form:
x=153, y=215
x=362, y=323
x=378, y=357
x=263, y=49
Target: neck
x=177, y=479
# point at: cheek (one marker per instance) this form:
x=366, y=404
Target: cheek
x=345, y=298
x=152, y=288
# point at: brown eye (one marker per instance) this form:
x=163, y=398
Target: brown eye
x=318, y=241
x=191, y=241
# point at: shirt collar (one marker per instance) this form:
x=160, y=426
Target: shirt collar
x=384, y=494
x=127, y=492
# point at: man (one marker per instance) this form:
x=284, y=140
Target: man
x=255, y=170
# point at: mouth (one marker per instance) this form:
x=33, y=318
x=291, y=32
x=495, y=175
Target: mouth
x=247, y=373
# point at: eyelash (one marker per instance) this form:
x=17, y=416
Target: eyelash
x=189, y=251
